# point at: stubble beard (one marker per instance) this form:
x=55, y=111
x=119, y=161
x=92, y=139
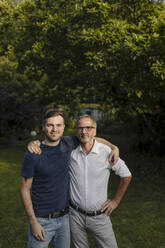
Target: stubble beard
x=85, y=139
x=51, y=140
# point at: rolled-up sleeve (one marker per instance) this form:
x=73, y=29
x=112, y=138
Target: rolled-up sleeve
x=121, y=169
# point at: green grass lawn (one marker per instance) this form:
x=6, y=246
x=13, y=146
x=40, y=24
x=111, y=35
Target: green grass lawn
x=139, y=221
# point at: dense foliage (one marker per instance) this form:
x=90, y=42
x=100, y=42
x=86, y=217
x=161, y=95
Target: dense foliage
x=90, y=51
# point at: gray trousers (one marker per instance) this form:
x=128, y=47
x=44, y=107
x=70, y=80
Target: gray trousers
x=100, y=226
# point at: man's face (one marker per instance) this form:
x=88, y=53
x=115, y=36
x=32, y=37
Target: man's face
x=54, y=128
x=86, y=130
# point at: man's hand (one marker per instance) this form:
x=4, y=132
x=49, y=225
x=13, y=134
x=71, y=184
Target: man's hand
x=114, y=156
x=109, y=205
x=38, y=231
x=34, y=147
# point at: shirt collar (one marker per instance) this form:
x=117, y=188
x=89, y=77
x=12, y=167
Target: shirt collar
x=95, y=148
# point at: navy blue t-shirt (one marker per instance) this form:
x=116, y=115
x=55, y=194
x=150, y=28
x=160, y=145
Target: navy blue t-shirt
x=50, y=175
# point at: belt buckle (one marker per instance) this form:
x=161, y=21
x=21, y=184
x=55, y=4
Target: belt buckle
x=77, y=208
x=95, y=213
x=55, y=215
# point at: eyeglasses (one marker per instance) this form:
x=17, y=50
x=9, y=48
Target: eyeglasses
x=87, y=129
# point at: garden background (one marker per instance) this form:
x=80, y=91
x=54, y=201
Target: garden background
x=71, y=54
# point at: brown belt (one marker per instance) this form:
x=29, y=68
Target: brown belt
x=56, y=214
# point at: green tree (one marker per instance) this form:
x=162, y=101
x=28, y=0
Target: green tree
x=89, y=51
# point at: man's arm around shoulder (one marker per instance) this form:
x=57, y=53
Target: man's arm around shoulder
x=114, y=155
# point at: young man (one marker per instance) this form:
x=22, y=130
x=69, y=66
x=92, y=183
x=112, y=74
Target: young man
x=89, y=175
x=46, y=175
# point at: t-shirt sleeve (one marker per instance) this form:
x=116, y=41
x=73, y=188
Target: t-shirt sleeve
x=72, y=141
x=121, y=169
x=29, y=164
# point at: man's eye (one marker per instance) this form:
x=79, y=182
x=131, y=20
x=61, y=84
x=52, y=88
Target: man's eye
x=88, y=128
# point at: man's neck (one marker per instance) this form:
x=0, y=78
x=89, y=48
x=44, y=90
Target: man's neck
x=87, y=147
x=51, y=143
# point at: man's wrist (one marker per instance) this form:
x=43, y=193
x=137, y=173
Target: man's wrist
x=32, y=220
x=117, y=200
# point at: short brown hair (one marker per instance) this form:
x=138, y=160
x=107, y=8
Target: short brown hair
x=51, y=113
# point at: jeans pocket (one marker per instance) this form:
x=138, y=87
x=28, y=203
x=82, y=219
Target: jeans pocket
x=42, y=221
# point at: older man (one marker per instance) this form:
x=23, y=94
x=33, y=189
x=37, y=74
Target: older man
x=89, y=175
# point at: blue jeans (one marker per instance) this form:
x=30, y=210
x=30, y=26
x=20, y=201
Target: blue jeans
x=57, y=232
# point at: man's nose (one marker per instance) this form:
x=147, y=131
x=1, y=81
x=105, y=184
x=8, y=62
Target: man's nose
x=54, y=128
x=84, y=130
